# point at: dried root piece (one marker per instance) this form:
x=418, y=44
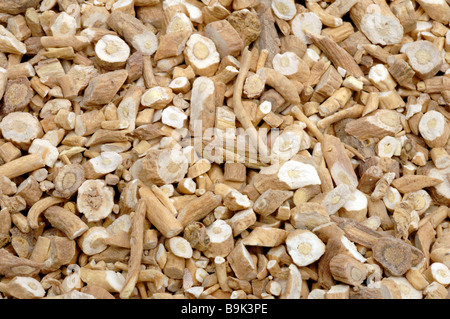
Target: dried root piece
x=434, y=128
x=47, y=149
x=95, y=199
x=20, y=128
x=393, y=254
x=9, y=43
x=290, y=65
x=202, y=105
x=91, y=242
x=39, y=207
x=23, y=288
x=101, y=165
x=292, y=140
x=379, y=124
x=180, y=247
x=235, y=201
x=270, y=200
x=379, y=76
x=388, y=146
x=440, y=157
x=436, y=9
x=296, y=174
x=439, y=273
x=226, y=38
x=382, y=28
x=308, y=22
x=133, y=30
x=284, y=9
x=157, y=97
x=68, y=179
x=246, y=23
x=304, y=247
x=327, y=19
x=70, y=224
x=241, y=262
x=220, y=239
x=339, y=164
x=424, y=58
x=265, y=237
x=196, y=234
x=109, y=280
x=413, y=183
x=164, y=167
x=160, y=216
x=309, y=215
x=17, y=96
x=112, y=52
x=337, y=55
x=136, y=251
x=348, y=270
x=101, y=89
x=201, y=54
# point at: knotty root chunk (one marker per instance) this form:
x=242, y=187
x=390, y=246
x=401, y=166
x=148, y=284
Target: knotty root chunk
x=95, y=199
x=393, y=254
x=196, y=234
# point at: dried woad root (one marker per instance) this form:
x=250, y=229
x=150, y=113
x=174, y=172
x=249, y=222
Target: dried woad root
x=227, y=149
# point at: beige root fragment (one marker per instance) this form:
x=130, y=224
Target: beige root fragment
x=239, y=110
x=136, y=243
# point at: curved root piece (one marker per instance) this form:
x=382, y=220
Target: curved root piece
x=39, y=207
